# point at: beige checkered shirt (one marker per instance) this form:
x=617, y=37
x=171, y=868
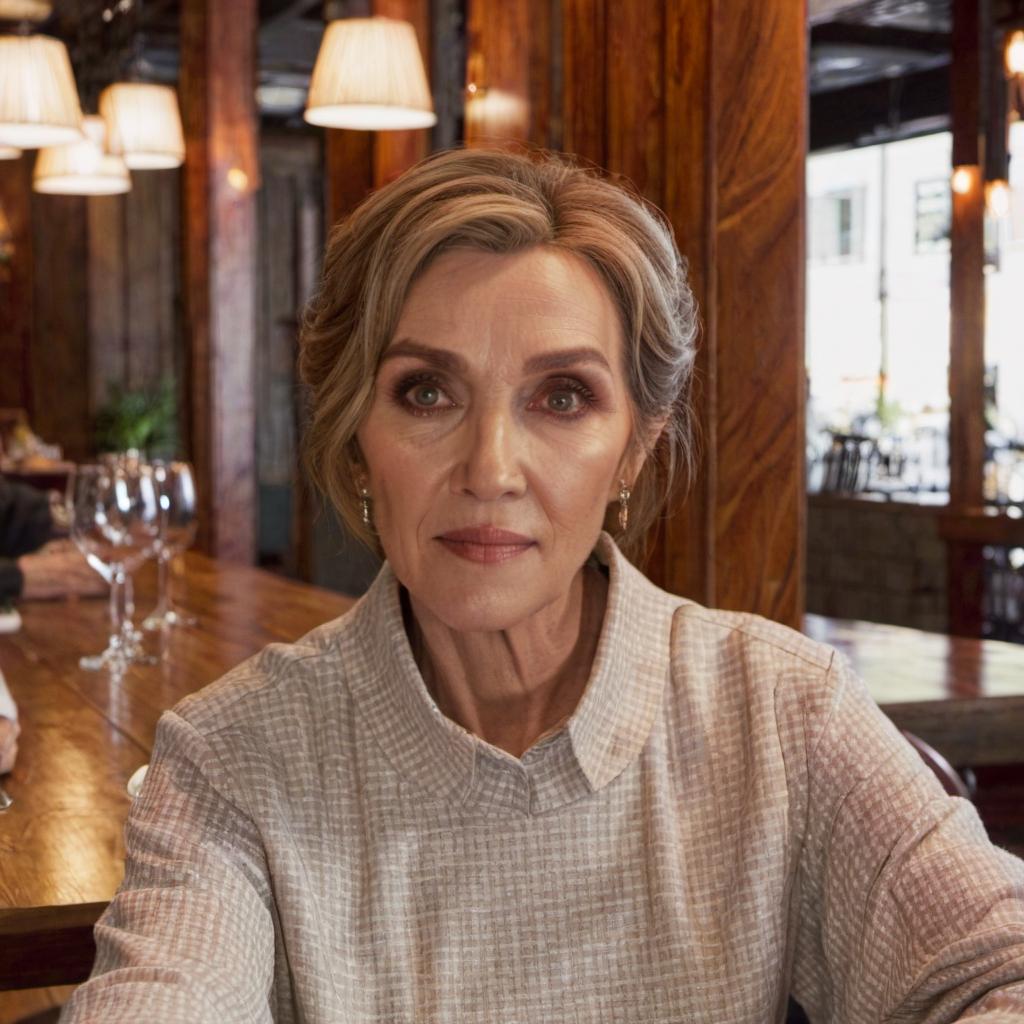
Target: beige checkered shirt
x=727, y=817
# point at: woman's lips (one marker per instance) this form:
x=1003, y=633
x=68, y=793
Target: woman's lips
x=485, y=543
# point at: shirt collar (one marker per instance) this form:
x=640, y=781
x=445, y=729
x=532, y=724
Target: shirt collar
x=604, y=735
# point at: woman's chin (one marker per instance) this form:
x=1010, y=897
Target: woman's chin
x=479, y=609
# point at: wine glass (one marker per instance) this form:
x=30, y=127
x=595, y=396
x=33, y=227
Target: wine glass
x=114, y=516
x=177, y=492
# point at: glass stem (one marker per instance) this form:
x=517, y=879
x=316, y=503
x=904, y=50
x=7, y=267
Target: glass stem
x=162, y=574
x=118, y=586
x=128, y=606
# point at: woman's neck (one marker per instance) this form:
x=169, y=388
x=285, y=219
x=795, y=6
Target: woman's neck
x=512, y=686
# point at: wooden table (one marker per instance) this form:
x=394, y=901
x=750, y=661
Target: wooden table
x=84, y=734
x=965, y=697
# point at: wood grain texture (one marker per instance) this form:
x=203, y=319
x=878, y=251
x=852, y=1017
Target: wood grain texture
x=60, y=341
x=760, y=152
x=348, y=172
x=500, y=35
x=684, y=560
x=962, y=695
x=396, y=151
x=967, y=347
x=635, y=108
x=84, y=734
x=219, y=242
x=584, y=81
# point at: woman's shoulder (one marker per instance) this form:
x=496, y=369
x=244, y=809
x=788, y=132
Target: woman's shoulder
x=283, y=682
x=746, y=639
x=737, y=665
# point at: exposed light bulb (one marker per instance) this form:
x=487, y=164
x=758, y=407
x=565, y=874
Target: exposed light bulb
x=997, y=198
x=962, y=181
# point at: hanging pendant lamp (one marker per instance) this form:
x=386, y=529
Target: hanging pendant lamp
x=38, y=99
x=83, y=168
x=143, y=125
x=369, y=75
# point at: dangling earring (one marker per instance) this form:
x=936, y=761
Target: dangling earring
x=364, y=500
x=623, y=505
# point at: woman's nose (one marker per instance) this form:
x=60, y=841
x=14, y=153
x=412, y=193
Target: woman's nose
x=491, y=460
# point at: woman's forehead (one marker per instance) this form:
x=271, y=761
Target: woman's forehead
x=540, y=292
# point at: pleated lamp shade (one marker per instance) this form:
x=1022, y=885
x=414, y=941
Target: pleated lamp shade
x=25, y=10
x=369, y=75
x=81, y=168
x=143, y=125
x=38, y=99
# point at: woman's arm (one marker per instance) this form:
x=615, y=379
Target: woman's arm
x=908, y=912
x=189, y=936
x=25, y=520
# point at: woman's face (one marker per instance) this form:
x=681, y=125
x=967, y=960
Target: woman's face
x=500, y=405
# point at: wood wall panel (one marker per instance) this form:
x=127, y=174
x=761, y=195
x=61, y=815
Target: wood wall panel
x=634, y=106
x=60, y=340
x=16, y=290
x=501, y=35
x=584, y=79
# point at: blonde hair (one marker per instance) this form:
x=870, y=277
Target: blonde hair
x=499, y=202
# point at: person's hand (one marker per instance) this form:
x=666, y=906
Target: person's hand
x=9, y=730
x=59, y=570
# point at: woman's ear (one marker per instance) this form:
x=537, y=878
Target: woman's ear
x=639, y=450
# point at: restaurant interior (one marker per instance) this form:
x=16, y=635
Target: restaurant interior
x=845, y=178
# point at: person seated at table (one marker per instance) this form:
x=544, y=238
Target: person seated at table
x=26, y=525
x=518, y=781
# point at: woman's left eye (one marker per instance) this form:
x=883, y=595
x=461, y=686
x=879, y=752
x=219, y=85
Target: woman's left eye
x=567, y=399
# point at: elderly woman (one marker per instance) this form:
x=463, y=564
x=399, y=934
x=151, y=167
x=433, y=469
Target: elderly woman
x=518, y=782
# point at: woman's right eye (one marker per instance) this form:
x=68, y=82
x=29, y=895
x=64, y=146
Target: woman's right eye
x=425, y=395
x=421, y=396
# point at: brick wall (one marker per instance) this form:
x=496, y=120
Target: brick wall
x=879, y=561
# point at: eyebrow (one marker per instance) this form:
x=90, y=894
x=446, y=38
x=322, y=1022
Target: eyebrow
x=453, y=362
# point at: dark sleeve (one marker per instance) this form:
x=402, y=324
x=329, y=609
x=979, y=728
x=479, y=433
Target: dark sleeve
x=25, y=522
x=11, y=580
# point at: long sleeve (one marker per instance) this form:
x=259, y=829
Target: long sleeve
x=25, y=525
x=908, y=912
x=25, y=521
x=189, y=937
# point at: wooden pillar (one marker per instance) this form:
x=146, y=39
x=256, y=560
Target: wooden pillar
x=218, y=50
x=967, y=313
x=967, y=265
x=702, y=104
x=16, y=273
